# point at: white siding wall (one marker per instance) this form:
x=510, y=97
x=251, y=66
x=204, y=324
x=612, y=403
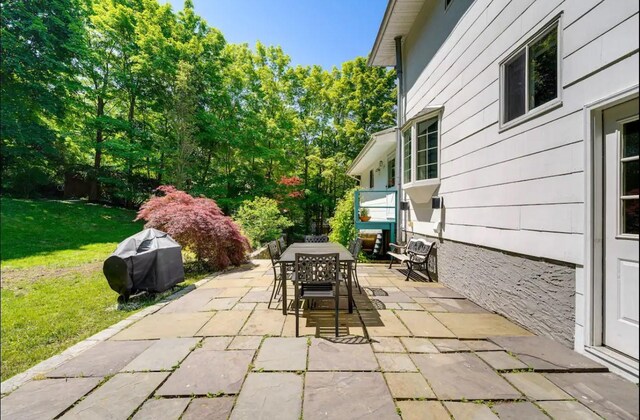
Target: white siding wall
x=519, y=189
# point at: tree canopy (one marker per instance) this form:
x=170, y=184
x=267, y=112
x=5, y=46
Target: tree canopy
x=126, y=95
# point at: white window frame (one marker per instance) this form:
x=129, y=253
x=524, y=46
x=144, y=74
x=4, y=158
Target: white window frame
x=552, y=104
x=620, y=234
x=413, y=126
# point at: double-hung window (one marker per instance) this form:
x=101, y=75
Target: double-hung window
x=421, y=140
x=530, y=77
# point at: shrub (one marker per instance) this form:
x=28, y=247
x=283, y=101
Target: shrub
x=261, y=220
x=198, y=225
x=342, y=227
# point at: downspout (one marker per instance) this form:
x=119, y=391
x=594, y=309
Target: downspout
x=399, y=123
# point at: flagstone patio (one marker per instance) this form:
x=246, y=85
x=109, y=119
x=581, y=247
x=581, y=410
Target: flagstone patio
x=412, y=349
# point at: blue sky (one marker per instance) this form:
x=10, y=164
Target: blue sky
x=324, y=32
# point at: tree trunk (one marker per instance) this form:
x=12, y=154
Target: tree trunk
x=94, y=188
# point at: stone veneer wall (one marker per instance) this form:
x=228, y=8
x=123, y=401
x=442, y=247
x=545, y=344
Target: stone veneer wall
x=539, y=295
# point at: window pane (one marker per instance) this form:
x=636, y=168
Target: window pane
x=422, y=128
x=391, y=173
x=422, y=158
x=514, y=86
x=433, y=127
x=631, y=139
x=407, y=155
x=422, y=172
x=432, y=171
x=631, y=217
x=422, y=143
x=433, y=156
x=433, y=139
x=543, y=69
x=631, y=177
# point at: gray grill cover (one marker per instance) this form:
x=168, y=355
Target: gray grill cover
x=150, y=260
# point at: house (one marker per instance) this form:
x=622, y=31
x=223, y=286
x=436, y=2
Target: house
x=522, y=117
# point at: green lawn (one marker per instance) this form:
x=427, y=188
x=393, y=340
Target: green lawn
x=53, y=291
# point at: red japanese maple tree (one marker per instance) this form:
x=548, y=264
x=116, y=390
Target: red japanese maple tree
x=197, y=224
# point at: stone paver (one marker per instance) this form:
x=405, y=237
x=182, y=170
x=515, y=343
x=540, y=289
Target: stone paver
x=482, y=345
x=264, y=322
x=387, y=345
x=479, y=325
x=209, y=372
x=518, y=411
x=419, y=345
x=103, y=359
x=234, y=292
x=422, y=324
x=220, y=304
x=165, y=408
x=118, y=397
x=245, y=306
x=191, y=302
x=269, y=396
x=458, y=305
x=543, y=354
x=165, y=326
x=422, y=410
x=224, y=323
x=163, y=354
x=449, y=345
x=257, y=296
x=605, y=393
x=501, y=360
x=334, y=395
x=216, y=343
x=473, y=411
x=457, y=376
x=408, y=385
x=536, y=387
x=395, y=362
x=441, y=292
x=45, y=399
x=282, y=354
x=568, y=410
x=327, y=355
x=209, y=408
x=245, y=342
x=453, y=354
x=384, y=323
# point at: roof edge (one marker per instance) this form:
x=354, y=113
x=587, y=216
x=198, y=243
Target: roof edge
x=383, y=27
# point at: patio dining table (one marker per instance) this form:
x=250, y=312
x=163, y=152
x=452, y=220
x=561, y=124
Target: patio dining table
x=289, y=257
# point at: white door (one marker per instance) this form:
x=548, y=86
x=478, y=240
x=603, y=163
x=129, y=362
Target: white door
x=621, y=227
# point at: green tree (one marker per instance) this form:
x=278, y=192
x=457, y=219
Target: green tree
x=261, y=220
x=40, y=40
x=342, y=223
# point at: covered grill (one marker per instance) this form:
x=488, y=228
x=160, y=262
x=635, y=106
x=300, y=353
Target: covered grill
x=147, y=261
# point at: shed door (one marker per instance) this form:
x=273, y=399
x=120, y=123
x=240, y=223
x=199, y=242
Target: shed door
x=621, y=227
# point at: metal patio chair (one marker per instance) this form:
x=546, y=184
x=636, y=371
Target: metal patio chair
x=317, y=276
x=316, y=239
x=274, y=254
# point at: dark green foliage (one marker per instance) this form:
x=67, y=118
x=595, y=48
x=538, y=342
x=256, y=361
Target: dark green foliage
x=137, y=95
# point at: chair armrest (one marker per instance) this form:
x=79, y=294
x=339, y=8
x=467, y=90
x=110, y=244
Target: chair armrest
x=397, y=246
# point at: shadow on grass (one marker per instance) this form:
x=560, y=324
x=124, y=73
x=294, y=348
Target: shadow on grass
x=36, y=227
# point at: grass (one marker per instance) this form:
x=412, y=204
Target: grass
x=53, y=291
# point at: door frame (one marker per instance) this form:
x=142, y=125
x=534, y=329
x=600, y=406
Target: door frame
x=593, y=241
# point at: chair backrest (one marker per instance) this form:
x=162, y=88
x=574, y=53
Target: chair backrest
x=419, y=246
x=282, y=244
x=357, y=247
x=316, y=238
x=274, y=254
x=317, y=268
